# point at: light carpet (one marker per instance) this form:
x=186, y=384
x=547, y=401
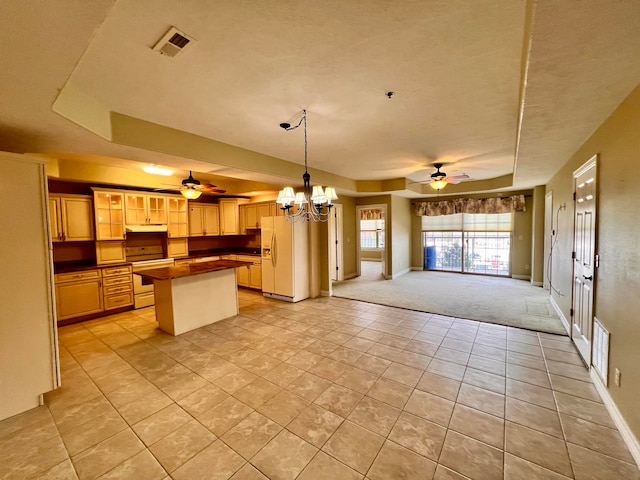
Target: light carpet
x=500, y=300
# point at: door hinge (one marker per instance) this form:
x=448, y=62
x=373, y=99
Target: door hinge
x=571, y=312
x=573, y=255
x=574, y=195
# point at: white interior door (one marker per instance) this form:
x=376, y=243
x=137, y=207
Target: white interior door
x=335, y=244
x=584, y=257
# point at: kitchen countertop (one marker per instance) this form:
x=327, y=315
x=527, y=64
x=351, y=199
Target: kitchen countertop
x=168, y=273
x=80, y=265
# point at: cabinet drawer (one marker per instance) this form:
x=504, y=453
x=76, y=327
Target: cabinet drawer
x=123, y=279
x=113, y=271
x=77, y=276
x=116, y=289
x=121, y=300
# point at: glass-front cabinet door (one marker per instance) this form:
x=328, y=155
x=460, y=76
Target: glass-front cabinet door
x=156, y=210
x=178, y=217
x=136, y=209
x=109, y=215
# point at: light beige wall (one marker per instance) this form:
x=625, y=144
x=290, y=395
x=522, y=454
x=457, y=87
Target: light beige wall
x=401, y=231
x=537, y=236
x=521, y=241
x=371, y=255
x=617, y=281
x=349, y=240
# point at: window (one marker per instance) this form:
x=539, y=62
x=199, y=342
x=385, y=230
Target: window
x=372, y=233
x=470, y=243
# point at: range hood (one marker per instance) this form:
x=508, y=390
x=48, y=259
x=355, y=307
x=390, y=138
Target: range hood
x=145, y=228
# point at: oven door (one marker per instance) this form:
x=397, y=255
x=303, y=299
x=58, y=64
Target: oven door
x=140, y=285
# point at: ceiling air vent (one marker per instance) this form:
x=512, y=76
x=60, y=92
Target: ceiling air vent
x=173, y=42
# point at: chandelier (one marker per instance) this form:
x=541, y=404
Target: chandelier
x=310, y=203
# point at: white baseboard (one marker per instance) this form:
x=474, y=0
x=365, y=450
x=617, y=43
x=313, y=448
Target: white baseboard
x=521, y=277
x=563, y=319
x=419, y=269
x=399, y=274
x=627, y=435
x=325, y=293
x=350, y=275
x=537, y=284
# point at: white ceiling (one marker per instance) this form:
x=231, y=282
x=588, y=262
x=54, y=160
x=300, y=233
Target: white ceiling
x=488, y=88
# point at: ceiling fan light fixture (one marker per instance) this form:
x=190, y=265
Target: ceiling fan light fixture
x=438, y=184
x=191, y=193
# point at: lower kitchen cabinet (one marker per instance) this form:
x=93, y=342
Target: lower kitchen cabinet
x=117, y=287
x=88, y=292
x=78, y=294
x=251, y=275
x=255, y=276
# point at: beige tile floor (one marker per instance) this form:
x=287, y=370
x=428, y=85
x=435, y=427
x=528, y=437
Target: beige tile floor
x=323, y=389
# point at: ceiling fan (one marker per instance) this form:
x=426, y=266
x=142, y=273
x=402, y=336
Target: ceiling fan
x=440, y=179
x=191, y=188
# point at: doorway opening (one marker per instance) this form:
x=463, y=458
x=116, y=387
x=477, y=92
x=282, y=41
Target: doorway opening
x=372, y=234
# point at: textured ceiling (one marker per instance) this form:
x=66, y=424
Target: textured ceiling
x=476, y=83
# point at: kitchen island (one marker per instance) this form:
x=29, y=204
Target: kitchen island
x=194, y=295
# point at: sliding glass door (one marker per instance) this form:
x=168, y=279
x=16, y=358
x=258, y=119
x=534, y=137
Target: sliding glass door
x=468, y=243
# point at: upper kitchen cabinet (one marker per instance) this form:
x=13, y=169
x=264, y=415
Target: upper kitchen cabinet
x=178, y=225
x=145, y=209
x=204, y=220
x=109, y=214
x=71, y=218
x=229, y=221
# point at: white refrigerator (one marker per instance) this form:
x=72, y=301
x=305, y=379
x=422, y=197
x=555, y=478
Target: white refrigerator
x=285, y=259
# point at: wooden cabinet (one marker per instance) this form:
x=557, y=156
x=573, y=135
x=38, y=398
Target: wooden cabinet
x=145, y=209
x=109, y=214
x=110, y=252
x=177, y=247
x=117, y=289
x=255, y=276
x=71, y=218
x=78, y=293
x=229, y=222
x=204, y=220
x=178, y=217
x=251, y=275
x=251, y=214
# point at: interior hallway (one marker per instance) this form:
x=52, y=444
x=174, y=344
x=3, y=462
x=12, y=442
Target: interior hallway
x=326, y=388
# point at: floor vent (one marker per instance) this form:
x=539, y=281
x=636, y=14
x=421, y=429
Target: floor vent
x=601, y=350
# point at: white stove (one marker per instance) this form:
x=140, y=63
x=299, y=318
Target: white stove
x=143, y=289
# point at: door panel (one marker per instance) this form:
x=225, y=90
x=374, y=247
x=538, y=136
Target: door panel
x=583, y=264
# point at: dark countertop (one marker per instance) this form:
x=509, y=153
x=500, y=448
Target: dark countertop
x=80, y=265
x=90, y=264
x=167, y=273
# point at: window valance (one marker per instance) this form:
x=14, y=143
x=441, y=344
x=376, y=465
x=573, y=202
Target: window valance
x=514, y=203
x=370, y=214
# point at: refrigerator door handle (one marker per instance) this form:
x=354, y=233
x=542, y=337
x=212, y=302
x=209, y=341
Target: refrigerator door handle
x=273, y=250
x=274, y=258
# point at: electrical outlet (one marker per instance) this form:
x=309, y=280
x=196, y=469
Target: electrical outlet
x=618, y=377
